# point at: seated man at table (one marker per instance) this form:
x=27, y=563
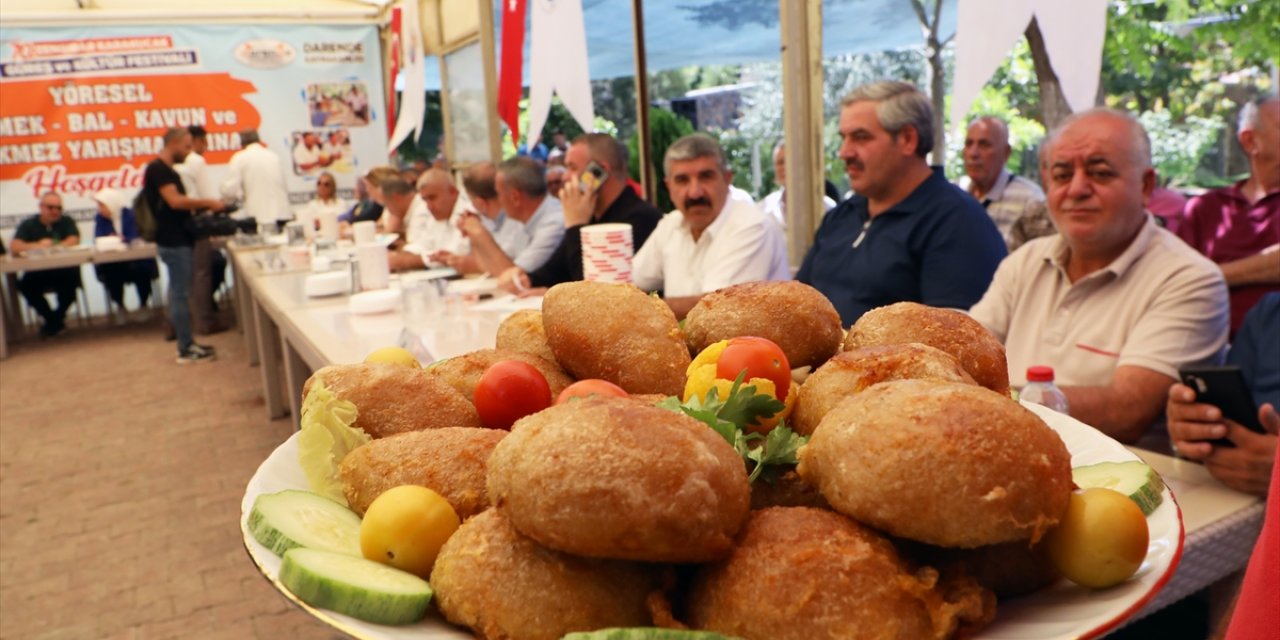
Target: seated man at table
x=44, y=230
x=775, y=204
x=611, y=201
x=1005, y=196
x=712, y=240
x=479, y=184
x=908, y=234
x=1238, y=226
x=1113, y=302
x=431, y=222
x=522, y=193
x=1193, y=426
x=115, y=218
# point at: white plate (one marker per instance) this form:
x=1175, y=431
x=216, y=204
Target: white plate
x=1061, y=611
x=371, y=302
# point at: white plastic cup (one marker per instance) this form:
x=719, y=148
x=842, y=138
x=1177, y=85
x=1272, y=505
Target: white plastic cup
x=365, y=232
x=329, y=226
x=374, y=266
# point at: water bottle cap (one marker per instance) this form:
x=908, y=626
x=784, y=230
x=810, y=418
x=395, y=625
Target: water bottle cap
x=1039, y=373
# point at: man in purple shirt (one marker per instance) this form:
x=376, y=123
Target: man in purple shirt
x=1238, y=227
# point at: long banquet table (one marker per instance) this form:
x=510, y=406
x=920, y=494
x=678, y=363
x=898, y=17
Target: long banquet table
x=11, y=266
x=290, y=336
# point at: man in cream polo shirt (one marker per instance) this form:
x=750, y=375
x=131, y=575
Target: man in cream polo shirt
x=712, y=240
x=1114, y=303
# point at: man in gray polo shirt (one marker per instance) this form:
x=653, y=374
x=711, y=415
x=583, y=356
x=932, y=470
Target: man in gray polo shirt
x=1005, y=196
x=1114, y=303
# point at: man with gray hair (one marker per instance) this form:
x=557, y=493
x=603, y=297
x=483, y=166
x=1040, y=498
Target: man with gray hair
x=1238, y=226
x=1005, y=196
x=908, y=234
x=255, y=178
x=1113, y=302
x=522, y=193
x=712, y=240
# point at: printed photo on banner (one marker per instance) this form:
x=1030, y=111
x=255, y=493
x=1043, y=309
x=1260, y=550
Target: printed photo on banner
x=320, y=150
x=338, y=104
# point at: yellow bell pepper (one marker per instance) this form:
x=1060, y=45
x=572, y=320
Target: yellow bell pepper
x=701, y=378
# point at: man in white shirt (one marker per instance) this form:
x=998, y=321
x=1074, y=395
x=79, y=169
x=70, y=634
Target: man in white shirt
x=432, y=222
x=521, y=187
x=775, y=204
x=309, y=155
x=256, y=179
x=712, y=241
x=194, y=170
x=1006, y=197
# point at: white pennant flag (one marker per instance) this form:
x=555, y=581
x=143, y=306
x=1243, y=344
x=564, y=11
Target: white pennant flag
x=413, y=98
x=558, y=62
x=986, y=31
x=1073, y=36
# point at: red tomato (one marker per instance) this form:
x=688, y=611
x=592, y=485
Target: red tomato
x=760, y=357
x=510, y=390
x=591, y=387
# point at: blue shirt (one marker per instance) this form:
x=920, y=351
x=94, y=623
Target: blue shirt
x=937, y=246
x=1256, y=350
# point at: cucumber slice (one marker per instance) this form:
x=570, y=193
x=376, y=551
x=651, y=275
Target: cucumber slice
x=646, y=633
x=292, y=518
x=1134, y=479
x=356, y=587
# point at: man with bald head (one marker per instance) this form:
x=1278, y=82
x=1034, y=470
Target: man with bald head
x=1006, y=196
x=430, y=221
x=1238, y=226
x=1113, y=302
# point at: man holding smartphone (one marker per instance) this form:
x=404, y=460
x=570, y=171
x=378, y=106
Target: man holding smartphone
x=595, y=192
x=1193, y=426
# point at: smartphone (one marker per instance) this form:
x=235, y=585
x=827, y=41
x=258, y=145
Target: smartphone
x=1224, y=388
x=592, y=178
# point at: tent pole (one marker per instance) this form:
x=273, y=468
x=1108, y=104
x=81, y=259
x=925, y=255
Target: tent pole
x=642, y=103
x=802, y=120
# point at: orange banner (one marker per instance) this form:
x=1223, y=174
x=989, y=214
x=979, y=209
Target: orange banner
x=98, y=124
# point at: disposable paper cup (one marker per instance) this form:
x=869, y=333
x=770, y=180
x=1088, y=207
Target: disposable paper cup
x=364, y=231
x=607, y=250
x=329, y=227
x=374, y=266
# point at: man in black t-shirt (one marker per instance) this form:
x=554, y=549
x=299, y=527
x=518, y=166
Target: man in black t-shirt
x=169, y=204
x=44, y=230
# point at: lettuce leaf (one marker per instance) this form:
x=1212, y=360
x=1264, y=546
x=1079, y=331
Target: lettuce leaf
x=327, y=437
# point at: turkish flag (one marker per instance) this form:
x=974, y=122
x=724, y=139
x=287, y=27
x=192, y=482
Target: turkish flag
x=393, y=61
x=512, y=71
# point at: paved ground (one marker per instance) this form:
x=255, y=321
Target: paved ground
x=121, y=475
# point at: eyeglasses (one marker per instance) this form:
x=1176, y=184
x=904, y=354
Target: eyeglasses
x=51, y=207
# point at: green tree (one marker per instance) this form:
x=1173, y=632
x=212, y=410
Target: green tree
x=665, y=128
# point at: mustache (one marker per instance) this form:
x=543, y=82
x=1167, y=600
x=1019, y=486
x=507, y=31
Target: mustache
x=854, y=164
x=697, y=202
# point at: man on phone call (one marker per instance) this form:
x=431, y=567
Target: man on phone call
x=1248, y=465
x=605, y=158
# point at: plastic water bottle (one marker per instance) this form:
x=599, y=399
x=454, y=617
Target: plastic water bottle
x=1041, y=390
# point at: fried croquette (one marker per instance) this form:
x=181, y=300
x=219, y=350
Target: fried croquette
x=945, y=463
x=522, y=331
x=463, y=372
x=794, y=315
x=501, y=584
x=449, y=461
x=392, y=398
x=850, y=372
x=615, y=478
x=975, y=348
x=808, y=574
x=617, y=333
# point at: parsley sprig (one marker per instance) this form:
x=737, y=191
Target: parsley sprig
x=729, y=418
